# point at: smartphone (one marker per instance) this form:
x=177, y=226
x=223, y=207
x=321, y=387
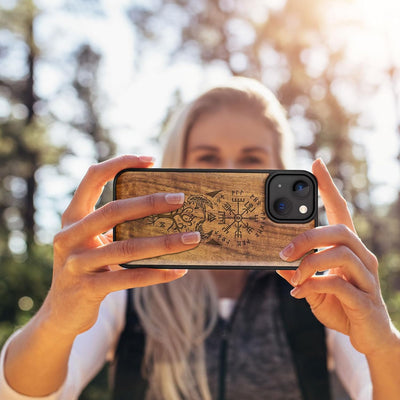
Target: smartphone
x=245, y=217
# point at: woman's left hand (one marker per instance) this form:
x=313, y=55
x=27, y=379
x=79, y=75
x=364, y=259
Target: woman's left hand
x=348, y=297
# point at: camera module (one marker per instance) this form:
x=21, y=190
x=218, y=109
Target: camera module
x=291, y=196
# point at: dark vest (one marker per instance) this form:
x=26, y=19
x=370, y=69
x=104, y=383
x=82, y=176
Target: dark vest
x=305, y=336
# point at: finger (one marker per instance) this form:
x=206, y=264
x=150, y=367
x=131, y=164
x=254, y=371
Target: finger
x=106, y=237
x=336, y=318
x=109, y=235
x=139, y=277
x=327, y=236
x=91, y=186
x=348, y=294
x=118, y=211
x=336, y=206
x=124, y=251
x=286, y=274
x=340, y=257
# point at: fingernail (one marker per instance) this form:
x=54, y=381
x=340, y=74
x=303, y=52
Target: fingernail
x=296, y=278
x=147, y=159
x=287, y=252
x=175, y=198
x=295, y=291
x=321, y=161
x=180, y=272
x=190, y=238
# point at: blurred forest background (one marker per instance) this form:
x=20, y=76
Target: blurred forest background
x=323, y=62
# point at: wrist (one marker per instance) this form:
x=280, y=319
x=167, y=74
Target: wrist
x=389, y=348
x=47, y=321
x=36, y=361
x=384, y=364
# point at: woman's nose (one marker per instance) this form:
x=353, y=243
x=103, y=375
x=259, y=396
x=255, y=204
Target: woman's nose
x=228, y=164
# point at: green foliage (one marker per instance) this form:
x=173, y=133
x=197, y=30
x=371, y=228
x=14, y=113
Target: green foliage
x=24, y=283
x=25, y=148
x=390, y=282
x=98, y=389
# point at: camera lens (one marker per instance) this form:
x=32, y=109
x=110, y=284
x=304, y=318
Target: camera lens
x=301, y=188
x=282, y=206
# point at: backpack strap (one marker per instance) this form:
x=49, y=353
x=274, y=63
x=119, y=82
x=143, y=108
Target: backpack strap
x=128, y=380
x=306, y=337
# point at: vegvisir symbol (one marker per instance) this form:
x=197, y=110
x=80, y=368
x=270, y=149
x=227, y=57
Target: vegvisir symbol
x=239, y=217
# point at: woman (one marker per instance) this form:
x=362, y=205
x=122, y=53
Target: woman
x=178, y=339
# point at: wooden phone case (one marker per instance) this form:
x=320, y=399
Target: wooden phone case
x=227, y=207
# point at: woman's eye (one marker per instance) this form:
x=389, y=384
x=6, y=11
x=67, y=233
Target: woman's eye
x=251, y=160
x=208, y=158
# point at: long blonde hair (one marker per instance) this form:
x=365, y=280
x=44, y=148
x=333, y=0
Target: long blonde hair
x=240, y=94
x=178, y=316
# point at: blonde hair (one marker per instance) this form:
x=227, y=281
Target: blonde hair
x=243, y=94
x=178, y=316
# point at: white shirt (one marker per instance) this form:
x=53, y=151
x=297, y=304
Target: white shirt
x=94, y=347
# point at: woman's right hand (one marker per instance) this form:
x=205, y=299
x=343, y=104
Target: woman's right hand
x=86, y=261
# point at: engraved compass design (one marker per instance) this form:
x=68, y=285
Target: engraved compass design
x=225, y=218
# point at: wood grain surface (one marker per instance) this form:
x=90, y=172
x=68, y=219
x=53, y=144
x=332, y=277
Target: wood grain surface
x=228, y=208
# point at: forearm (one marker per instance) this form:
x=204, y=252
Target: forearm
x=36, y=362
x=384, y=368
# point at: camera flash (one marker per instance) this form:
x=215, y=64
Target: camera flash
x=303, y=209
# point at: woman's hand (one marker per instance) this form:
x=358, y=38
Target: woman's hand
x=348, y=297
x=86, y=260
